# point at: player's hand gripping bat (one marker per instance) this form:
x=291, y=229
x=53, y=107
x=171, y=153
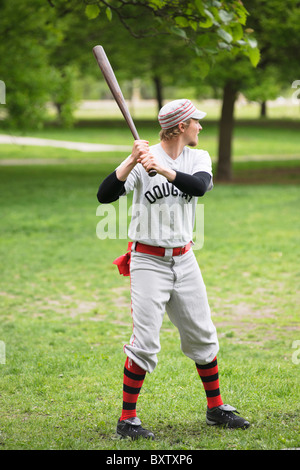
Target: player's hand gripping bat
x=113, y=84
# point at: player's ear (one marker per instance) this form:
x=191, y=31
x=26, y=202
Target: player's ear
x=181, y=126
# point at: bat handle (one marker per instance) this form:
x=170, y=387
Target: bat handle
x=136, y=137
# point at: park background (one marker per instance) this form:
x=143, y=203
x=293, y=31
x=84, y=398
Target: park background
x=65, y=311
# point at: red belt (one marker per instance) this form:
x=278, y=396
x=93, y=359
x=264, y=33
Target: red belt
x=123, y=262
x=160, y=251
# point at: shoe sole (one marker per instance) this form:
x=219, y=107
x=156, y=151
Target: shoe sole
x=122, y=436
x=215, y=423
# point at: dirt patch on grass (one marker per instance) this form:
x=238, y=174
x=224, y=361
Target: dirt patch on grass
x=65, y=305
x=119, y=299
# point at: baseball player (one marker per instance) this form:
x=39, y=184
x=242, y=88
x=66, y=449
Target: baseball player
x=164, y=273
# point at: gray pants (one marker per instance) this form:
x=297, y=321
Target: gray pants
x=173, y=285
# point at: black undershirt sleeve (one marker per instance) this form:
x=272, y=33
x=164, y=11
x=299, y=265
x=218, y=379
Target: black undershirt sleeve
x=193, y=185
x=110, y=189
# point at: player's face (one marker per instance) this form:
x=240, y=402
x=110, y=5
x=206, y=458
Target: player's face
x=191, y=133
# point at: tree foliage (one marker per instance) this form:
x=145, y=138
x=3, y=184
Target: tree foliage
x=24, y=65
x=207, y=26
x=277, y=33
x=44, y=42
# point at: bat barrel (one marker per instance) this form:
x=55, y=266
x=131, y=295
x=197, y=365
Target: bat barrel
x=114, y=87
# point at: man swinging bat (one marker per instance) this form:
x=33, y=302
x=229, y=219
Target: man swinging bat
x=164, y=272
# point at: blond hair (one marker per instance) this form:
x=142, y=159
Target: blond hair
x=169, y=134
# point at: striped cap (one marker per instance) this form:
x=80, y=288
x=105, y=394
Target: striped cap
x=178, y=111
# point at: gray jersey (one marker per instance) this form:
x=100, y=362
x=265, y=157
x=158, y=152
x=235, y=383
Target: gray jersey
x=162, y=215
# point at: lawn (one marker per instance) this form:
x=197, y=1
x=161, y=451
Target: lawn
x=65, y=311
x=253, y=139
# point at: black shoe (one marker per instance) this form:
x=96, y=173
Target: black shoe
x=223, y=415
x=132, y=428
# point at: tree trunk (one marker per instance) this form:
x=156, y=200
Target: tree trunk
x=158, y=92
x=58, y=107
x=224, y=167
x=263, y=109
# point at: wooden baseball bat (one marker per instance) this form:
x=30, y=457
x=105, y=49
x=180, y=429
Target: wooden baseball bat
x=114, y=87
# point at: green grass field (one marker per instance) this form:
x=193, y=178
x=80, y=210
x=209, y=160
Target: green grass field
x=65, y=311
x=253, y=140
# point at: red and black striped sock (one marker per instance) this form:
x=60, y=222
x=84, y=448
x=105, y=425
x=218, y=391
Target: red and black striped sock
x=209, y=375
x=134, y=377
